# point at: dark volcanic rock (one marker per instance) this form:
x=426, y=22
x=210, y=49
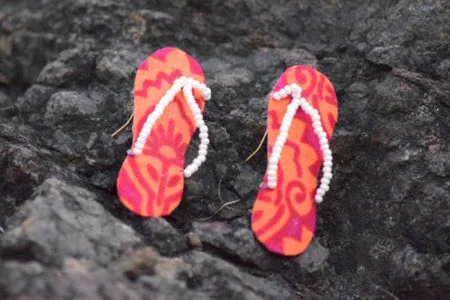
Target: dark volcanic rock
x=66, y=80
x=64, y=221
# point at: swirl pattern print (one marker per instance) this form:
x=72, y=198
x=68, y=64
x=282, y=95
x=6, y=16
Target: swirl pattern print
x=284, y=218
x=151, y=184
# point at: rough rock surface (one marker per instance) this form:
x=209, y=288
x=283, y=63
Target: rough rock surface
x=66, y=78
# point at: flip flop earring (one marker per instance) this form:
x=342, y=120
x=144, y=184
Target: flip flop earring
x=169, y=98
x=302, y=112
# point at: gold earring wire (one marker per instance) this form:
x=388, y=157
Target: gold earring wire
x=259, y=147
x=123, y=126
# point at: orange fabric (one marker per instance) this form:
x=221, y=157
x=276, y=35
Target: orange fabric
x=284, y=218
x=151, y=184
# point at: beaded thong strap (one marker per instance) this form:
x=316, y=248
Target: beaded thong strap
x=297, y=101
x=187, y=85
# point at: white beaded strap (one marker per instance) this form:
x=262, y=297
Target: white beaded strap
x=187, y=84
x=298, y=101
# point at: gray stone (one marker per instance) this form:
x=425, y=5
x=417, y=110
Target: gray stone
x=7, y=109
x=163, y=236
x=219, y=279
x=66, y=221
x=67, y=106
x=439, y=163
x=66, y=84
x=33, y=103
x=235, y=240
x=71, y=67
x=115, y=67
x=314, y=258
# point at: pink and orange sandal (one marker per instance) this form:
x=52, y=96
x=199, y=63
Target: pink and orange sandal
x=169, y=97
x=302, y=113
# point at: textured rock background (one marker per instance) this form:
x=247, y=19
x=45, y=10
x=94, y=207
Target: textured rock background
x=66, y=77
